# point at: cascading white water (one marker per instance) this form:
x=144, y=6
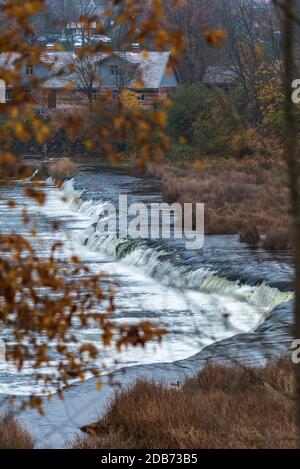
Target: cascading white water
x=189, y=299
x=152, y=261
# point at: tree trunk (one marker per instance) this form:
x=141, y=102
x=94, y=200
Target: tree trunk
x=290, y=33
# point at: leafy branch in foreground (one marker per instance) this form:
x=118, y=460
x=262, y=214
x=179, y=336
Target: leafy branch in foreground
x=43, y=298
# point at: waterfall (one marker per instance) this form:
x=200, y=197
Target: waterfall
x=154, y=261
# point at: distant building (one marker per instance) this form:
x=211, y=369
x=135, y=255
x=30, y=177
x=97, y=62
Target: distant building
x=91, y=18
x=76, y=28
x=61, y=87
x=221, y=76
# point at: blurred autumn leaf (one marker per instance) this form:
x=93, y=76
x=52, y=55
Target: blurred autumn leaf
x=42, y=297
x=215, y=37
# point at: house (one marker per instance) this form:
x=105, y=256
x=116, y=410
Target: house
x=220, y=76
x=63, y=80
x=77, y=28
x=91, y=17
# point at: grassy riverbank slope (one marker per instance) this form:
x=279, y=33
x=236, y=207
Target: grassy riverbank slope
x=246, y=197
x=222, y=407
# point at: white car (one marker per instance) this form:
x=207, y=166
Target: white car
x=77, y=41
x=101, y=38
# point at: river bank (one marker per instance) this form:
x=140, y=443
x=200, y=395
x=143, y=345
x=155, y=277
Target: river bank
x=83, y=404
x=247, y=197
x=221, y=407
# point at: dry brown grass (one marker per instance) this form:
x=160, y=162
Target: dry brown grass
x=237, y=195
x=278, y=240
x=62, y=168
x=13, y=435
x=223, y=407
x=250, y=234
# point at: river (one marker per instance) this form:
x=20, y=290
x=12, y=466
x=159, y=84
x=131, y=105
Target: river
x=212, y=296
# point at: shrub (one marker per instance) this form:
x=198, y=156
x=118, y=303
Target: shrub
x=204, y=117
x=249, y=234
x=215, y=124
x=13, y=435
x=182, y=152
x=62, y=168
x=278, y=239
x=247, y=142
x=188, y=102
x=270, y=95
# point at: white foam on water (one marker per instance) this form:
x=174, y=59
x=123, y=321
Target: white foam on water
x=153, y=263
x=196, y=306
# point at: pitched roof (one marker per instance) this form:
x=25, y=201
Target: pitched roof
x=7, y=59
x=60, y=63
x=219, y=76
x=151, y=66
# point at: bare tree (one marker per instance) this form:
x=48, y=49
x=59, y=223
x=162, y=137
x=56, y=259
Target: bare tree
x=85, y=75
x=64, y=13
x=244, y=48
x=122, y=71
x=270, y=33
x=89, y=12
x=191, y=17
x=90, y=8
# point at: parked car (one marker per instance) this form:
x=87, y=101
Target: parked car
x=77, y=41
x=101, y=38
x=54, y=38
x=63, y=38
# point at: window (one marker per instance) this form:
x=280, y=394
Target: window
x=8, y=95
x=141, y=97
x=115, y=95
x=29, y=70
x=114, y=70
